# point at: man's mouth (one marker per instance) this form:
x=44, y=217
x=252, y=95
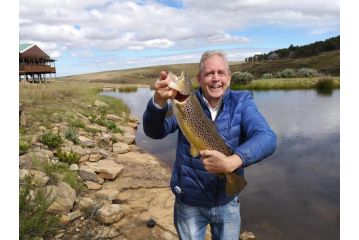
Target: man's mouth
x=215, y=86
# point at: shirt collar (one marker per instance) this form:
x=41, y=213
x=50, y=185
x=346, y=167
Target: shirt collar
x=209, y=106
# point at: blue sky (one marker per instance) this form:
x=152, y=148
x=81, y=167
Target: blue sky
x=98, y=35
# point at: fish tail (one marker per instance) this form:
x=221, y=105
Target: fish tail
x=235, y=184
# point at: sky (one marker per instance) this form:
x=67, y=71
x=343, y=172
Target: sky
x=99, y=35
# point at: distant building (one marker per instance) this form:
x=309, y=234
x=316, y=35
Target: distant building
x=34, y=64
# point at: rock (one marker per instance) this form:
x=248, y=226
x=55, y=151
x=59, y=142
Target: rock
x=65, y=219
x=99, y=103
x=94, y=157
x=76, y=149
x=88, y=173
x=114, y=117
x=64, y=197
x=73, y=215
x=105, y=140
x=86, y=203
x=84, y=158
x=105, y=232
x=132, y=125
x=132, y=119
x=107, y=169
x=110, y=213
x=96, y=127
x=86, y=141
x=247, y=236
x=74, y=167
x=92, y=185
x=39, y=179
x=120, y=147
x=107, y=194
x=41, y=156
x=127, y=138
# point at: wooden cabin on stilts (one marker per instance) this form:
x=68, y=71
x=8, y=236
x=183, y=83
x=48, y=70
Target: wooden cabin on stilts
x=34, y=64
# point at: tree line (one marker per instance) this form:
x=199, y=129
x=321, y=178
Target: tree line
x=291, y=52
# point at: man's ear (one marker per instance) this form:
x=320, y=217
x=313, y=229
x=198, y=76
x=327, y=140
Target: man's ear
x=198, y=77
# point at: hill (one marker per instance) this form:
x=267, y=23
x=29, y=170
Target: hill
x=308, y=56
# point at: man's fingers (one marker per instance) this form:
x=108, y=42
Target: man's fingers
x=163, y=75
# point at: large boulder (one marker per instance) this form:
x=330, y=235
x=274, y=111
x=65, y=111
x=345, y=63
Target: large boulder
x=120, y=147
x=39, y=179
x=86, y=141
x=110, y=213
x=63, y=197
x=89, y=174
x=106, y=169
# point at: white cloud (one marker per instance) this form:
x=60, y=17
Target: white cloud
x=146, y=24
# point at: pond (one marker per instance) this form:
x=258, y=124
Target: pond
x=295, y=193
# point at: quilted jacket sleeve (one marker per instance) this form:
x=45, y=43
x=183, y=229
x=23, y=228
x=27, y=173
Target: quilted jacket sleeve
x=155, y=123
x=260, y=140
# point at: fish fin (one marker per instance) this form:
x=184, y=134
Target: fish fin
x=194, y=152
x=235, y=184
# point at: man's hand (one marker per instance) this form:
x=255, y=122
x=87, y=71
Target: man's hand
x=217, y=162
x=163, y=91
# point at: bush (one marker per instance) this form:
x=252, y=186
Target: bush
x=242, y=78
x=77, y=123
x=72, y=135
x=324, y=83
x=51, y=140
x=110, y=125
x=267, y=76
x=34, y=221
x=23, y=147
x=286, y=73
x=67, y=157
x=307, y=72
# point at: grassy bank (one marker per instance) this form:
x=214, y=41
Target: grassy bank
x=46, y=104
x=287, y=83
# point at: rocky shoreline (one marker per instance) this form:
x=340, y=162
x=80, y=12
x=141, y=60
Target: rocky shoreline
x=127, y=193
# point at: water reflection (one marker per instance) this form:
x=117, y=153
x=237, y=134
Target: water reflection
x=294, y=194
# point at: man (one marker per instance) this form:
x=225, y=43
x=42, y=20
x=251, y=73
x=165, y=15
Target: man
x=200, y=193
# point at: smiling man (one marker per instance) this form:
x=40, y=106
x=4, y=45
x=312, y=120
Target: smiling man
x=200, y=193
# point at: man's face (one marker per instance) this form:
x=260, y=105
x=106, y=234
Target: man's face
x=214, y=79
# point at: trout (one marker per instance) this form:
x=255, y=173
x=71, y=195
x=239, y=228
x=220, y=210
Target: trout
x=198, y=129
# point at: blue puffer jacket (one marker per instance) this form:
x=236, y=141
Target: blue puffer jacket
x=240, y=124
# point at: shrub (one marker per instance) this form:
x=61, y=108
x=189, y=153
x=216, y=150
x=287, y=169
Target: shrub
x=67, y=157
x=324, y=83
x=242, y=78
x=77, y=123
x=307, y=72
x=267, y=76
x=72, y=135
x=23, y=147
x=51, y=140
x=110, y=125
x=34, y=221
x=286, y=73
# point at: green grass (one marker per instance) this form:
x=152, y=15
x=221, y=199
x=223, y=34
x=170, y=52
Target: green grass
x=284, y=83
x=34, y=221
x=326, y=62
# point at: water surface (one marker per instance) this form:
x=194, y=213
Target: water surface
x=293, y=194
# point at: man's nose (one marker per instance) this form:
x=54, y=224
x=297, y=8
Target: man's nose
x=215, y=76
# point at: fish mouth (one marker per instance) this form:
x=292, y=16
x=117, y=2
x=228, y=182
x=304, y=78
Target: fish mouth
x=181, y=97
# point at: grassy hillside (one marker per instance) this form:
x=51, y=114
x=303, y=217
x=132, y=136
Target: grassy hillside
x=327, y=62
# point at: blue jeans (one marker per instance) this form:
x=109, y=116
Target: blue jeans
x=191, y=222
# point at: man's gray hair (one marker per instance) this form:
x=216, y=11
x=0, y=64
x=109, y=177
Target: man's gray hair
x=211, y=53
